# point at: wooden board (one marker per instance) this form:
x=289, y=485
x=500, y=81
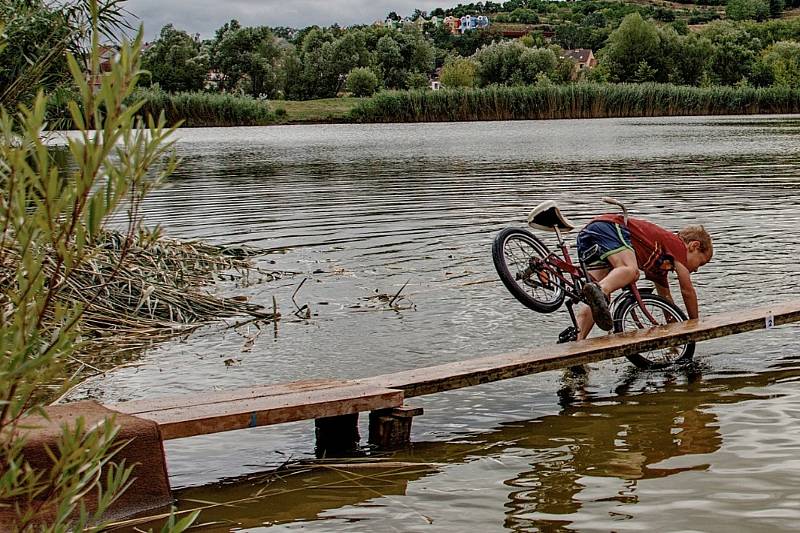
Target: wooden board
x=472, y=372
x=134, y=407
x=203, y=413
x=200, y=414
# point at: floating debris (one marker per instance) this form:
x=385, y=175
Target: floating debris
x=381, y=301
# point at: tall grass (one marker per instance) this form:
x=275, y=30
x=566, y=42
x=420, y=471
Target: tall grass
x=204, y=109
x=583, y=100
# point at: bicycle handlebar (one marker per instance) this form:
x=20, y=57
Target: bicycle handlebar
x=614, y=201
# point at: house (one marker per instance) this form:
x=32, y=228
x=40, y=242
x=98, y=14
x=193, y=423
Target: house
x=453, y=23
x=583, y=57
x=213, y=79
x=469, y=23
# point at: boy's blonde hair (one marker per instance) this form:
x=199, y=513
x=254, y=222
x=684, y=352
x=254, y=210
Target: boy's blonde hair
x=697, y=233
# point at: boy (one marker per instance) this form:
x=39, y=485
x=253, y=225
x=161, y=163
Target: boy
x=642, y=245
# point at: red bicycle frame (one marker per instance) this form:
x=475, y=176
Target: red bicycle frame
x=579, y=275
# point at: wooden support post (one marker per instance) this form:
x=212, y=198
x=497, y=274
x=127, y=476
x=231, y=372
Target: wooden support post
x=336, y=435
x=391, y=428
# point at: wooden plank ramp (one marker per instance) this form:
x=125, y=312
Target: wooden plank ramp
x=471, y=372
x=203, y=413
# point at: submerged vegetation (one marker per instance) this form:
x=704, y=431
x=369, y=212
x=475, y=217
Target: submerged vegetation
x=583, y=100
x=140, y=290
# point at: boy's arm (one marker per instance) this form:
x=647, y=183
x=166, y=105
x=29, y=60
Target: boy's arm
x=687, y=290
x=663, y=290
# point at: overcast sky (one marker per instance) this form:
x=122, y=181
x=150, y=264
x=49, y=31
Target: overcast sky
x=205, y=16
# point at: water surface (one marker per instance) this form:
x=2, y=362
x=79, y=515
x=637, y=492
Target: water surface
x=357, y=211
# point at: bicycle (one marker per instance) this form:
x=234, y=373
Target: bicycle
x=543, y=281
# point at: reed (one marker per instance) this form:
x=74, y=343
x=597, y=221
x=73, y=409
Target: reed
x=198, y=109
x=582, y=100
x=134, y=294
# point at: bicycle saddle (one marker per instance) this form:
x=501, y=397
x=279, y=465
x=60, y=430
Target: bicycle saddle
x=547, y=216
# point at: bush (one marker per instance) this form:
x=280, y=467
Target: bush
x=747, y=10
x=52, y=218
x=361, y=81
x=417, y=80
x=782, y=60
x=458, y=72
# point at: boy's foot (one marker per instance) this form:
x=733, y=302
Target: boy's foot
x=598, y=303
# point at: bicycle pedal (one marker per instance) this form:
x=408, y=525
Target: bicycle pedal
x=568, y=335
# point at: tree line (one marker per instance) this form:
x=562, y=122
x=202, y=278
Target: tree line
x=322, y=62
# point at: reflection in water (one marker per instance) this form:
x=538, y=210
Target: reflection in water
x=626, y=436
x=617, y=437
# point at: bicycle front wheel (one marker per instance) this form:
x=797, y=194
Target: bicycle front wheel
x=517, y=256
x=629, y=316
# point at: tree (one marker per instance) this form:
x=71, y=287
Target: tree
x=644, y=73
x=512, y=63
x=776, y=8
x=569, y=35
x=537, y=62
x=37, y=34
x=458, y=72
x=416, y=80
x=175, y=61
x=691, y=60
x=635, y=40
x=398, y=54
x=319, y=65
x=734, y=53
x=389, y=58
x=783, y=61
x=247, y=59
x=500, y=63
x=523, y=16
x=361, y=81
x=747, y=10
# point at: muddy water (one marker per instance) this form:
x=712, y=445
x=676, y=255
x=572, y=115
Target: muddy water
x=359, y=211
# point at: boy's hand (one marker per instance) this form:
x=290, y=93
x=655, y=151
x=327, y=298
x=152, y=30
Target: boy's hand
x=687, y=290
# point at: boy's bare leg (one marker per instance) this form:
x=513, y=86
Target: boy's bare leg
x=585, y=318
x=624, y=271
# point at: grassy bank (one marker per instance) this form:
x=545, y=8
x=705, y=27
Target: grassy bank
x=573, y=101
x=314, y=111
x=205, y=109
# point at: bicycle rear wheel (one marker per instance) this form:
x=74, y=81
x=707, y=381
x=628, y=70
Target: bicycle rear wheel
x=517, y=256
x=628, y=316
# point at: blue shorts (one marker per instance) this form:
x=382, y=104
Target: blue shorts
x=609, y=237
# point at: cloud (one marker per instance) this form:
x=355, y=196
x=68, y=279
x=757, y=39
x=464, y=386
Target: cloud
x=205, y=16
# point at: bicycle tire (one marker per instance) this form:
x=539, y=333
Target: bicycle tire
x=655, y=359
x=527, y=289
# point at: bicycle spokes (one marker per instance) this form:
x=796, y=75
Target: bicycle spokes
x=531, y=271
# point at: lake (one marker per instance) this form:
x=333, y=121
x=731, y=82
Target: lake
x=352, y=212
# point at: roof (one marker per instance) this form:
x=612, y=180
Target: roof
x=581, y=55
